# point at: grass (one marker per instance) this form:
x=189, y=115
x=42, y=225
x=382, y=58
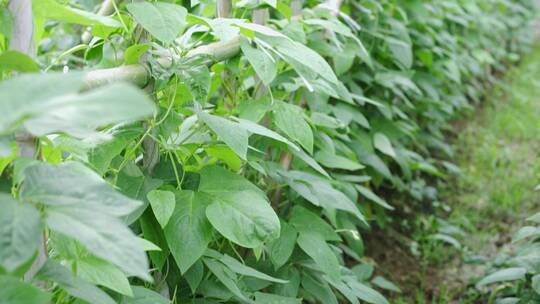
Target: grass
x=497, y=151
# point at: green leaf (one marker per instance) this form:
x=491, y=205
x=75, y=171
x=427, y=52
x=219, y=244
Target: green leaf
x=289, y=119
x=303, y=59
x=535, y=218
x=320, y=290
x=188, y=231
x=143, y=295
x=255, y=128
x=383, y=144
x=105, y=236
x=162, y=20
x=148, y=245
x=81, y=205
x=239, y=211
x=24, y=93
x=194, y=275
x=300, y=154
x=216, y=180
x=53, y=271
x=14, y=291
x=535, y=283
x=266, y=298
x=244, y=270
x=378, y=164
x=319, y=192
x=50, y=9
x=304, y=220
x=17, y=61
x=229, y=132
x=133, y=183
x=504, y=275
x=401, y=51
x=83, y=113
x=314, y=245
x=134, y=53
x=385, y=284
x=244, y=217
x=373, y=197
x=226, y=277
x=6, y=22
x=366, y=293
x=264, y=65
x=51, y=103
x=153, y=233
x=101, y=156
x=72, y=184
x=99, y=272
x=225, y=154
x=20, y=230
x=526, y=232
x=163, y=203
x=281, y=249
x=333, y=161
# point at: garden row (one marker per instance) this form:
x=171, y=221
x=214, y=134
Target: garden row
x=257, y=155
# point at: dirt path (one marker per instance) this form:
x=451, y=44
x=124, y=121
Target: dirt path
x=498, y=152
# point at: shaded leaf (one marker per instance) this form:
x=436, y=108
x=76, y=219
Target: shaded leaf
x=382, y=143
x=290, y=120
x=50, y=9
x=162, y=20
x=15, y=291
x=229, y=132
x=244, y=217
x=143, y=295
x=316, y=247
x=17, y=61
x=262, y=63
x=74, y=286
x=188, y=231
x=104, y=236
x=163, y=203
x=99, y=272
x=504, y=275
x=20, y=229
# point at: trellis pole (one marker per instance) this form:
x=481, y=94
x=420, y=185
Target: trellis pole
x=106, y=8
x=23, y=41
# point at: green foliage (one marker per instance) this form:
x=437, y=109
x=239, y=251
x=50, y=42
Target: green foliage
x=267, y=152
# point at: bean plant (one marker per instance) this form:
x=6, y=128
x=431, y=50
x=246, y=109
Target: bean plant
x=228, y=152
x=515, y=278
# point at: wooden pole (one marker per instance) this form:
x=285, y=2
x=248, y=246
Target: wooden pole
x=106, y=8
x=286, y=158
x=224, y=8
x=139, y=74
x=260, y=16
x=22, y=40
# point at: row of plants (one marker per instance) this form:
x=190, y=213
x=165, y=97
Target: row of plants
x=255, y=158
x=515, y=278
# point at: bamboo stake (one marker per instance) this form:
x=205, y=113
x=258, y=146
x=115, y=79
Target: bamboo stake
x=260, y=16
x=224, y=8
x=296, y=8
x=139, y=74
x=23, y=41
x=334, y=6
x=287, y=158
x=107, y=8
